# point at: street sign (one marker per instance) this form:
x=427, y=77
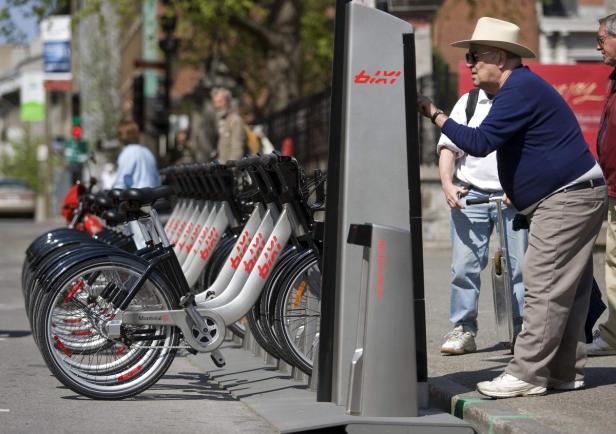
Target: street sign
x=32, y=95
x=75, y=151
x=56, y=37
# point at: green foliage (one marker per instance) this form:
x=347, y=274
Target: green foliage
x=278, y=50
x=21, y=162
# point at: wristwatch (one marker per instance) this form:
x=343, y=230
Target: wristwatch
x=435, y=115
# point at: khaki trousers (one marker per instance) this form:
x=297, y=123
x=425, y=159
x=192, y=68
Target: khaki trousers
x=558, y=279
x=608, y=328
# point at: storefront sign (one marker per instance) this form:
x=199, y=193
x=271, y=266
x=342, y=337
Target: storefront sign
x=583, y=86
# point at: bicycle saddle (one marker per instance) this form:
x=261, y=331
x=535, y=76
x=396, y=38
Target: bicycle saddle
x=114, y=217
x=146, y=196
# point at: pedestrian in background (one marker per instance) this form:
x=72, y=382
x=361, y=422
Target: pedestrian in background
x=231, y=135
x=136, y=163
x=549, y=174
x=136, y=169
x=466, y=177
x=604, y=339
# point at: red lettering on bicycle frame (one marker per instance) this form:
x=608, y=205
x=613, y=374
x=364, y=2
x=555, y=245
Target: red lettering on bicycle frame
x=380, y=268
x=193, y=237
x=209, y=244
x=386, y=77
x=255, y=250
x=240, y=249
x=270, y=255
x=202, y=237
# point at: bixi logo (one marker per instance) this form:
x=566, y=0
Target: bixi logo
x=386, y=77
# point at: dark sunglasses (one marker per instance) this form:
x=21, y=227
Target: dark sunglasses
x=601, y=39
x=472, y=58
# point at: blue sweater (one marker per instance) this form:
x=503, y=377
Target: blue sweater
x=539, y=144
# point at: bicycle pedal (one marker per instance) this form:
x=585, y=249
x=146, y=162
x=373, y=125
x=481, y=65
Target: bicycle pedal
x=218, y=358
x=187, y=300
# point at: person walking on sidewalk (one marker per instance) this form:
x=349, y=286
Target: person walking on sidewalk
x=231, y=135
x=549, y=174
x=136, y=169
x=466, y=177
x=604, y=338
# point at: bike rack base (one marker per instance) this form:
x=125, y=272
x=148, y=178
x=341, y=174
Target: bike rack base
x=290, y=406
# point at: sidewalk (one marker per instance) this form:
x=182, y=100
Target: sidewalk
x=452, y=379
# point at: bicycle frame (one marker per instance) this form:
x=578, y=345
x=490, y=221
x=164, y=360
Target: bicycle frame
x=232, y=311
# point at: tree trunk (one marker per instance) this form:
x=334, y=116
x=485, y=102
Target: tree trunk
x=284, y=55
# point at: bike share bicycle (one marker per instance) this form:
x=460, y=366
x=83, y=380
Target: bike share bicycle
x=93, y=321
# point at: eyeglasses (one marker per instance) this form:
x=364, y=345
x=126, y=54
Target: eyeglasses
x=472, y=58
x=601, y=39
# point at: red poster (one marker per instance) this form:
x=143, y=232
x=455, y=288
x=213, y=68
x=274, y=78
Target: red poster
x=583, y=86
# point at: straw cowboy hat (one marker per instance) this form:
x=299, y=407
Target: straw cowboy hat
x=497, y=33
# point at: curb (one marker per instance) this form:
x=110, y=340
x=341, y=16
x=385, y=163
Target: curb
x=485, y=415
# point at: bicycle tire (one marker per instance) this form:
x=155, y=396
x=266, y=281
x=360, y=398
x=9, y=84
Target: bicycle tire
x=298, y=312
x=117, y=376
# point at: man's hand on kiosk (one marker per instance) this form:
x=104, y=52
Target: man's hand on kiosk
x=429, y=110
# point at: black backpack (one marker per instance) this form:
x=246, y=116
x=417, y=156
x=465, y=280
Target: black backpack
x=471, y=103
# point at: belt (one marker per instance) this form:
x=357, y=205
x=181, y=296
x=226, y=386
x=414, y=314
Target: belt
x=591, y=183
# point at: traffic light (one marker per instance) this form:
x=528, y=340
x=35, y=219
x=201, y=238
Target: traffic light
x=76, y=128
x=138, y=102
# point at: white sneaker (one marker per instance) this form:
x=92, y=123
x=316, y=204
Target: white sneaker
x=508, y=386
x=598, y=347
x=459, y=342
x=569, y=385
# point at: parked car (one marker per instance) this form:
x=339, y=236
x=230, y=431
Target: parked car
x=16, y=197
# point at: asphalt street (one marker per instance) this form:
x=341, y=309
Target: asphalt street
x=186, y=400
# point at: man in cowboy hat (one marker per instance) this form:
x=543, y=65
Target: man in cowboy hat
x=604, y=338
x=465, y=177
x=548, y=173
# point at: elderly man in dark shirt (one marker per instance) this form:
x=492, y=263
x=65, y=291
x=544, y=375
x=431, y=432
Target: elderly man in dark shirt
x=604, y=339
x=549, y=174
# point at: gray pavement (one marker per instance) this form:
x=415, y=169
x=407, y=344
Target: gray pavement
x=189, y=397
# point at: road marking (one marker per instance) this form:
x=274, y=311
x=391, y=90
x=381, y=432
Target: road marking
x=462, y=402
x=4, y=410
x=493, y=419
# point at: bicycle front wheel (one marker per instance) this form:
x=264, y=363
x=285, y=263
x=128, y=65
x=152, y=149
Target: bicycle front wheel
x=298, y=313
x=73, y=339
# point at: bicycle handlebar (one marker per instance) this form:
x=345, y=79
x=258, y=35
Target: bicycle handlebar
x=485, y=199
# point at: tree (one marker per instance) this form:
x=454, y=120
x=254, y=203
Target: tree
x=278, y=50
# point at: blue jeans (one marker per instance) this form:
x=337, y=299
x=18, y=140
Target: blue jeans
x=471, y=228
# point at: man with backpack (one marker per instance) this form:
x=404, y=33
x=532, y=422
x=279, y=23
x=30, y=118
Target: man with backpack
x=464, y=177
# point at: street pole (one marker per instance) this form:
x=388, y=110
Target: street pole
x=43, y=155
